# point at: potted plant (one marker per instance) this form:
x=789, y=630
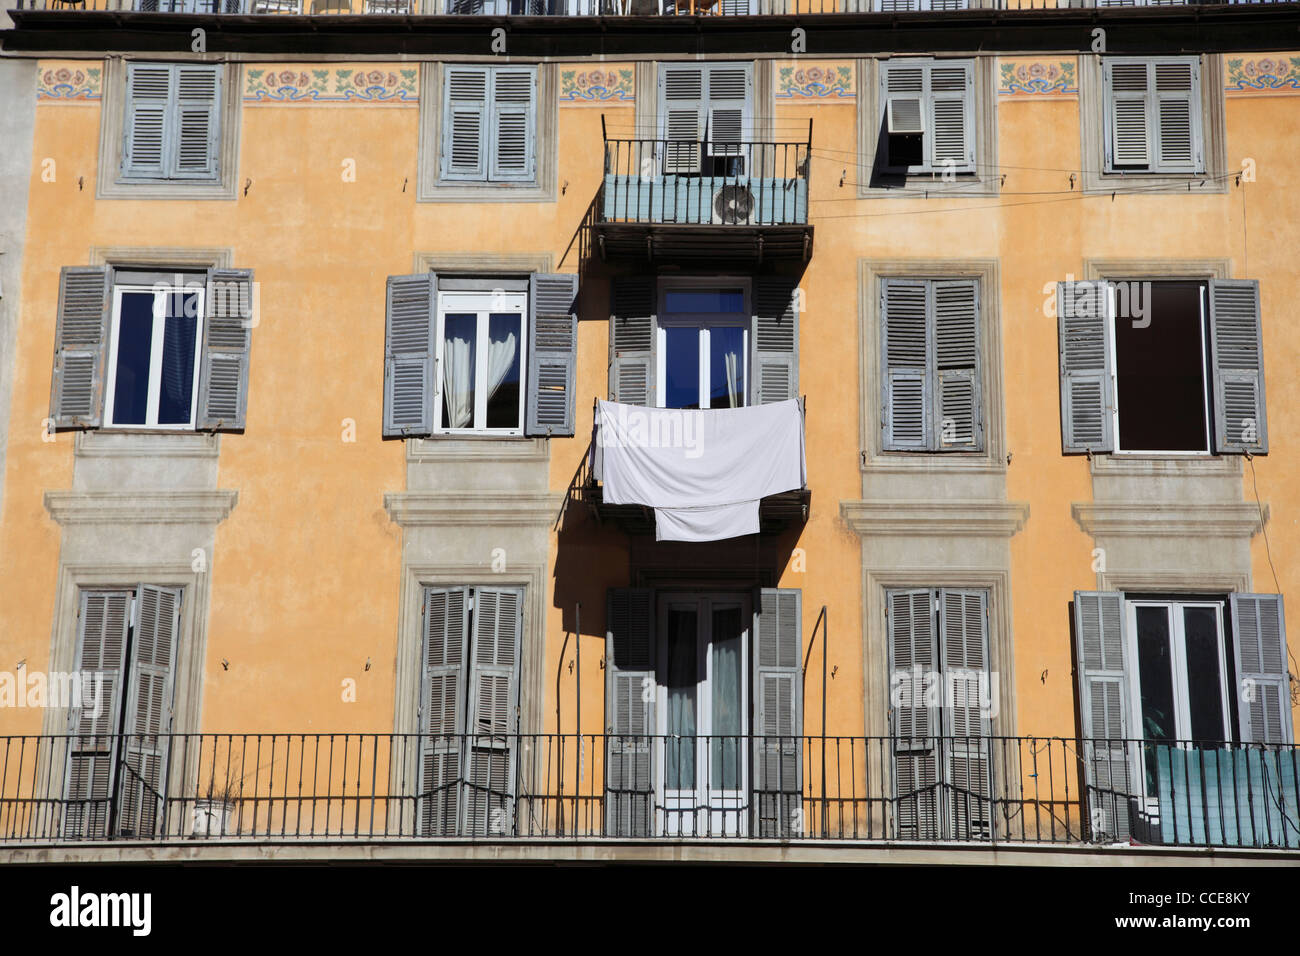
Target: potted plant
x=215, y=806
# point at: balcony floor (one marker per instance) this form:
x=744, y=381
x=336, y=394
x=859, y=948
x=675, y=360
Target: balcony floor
x=776, y=513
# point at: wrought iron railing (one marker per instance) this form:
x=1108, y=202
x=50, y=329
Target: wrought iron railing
x=384, y=787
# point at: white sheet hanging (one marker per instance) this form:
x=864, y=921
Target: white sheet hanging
x=702, y=471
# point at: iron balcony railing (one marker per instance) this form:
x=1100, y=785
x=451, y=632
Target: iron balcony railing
x=385, y=788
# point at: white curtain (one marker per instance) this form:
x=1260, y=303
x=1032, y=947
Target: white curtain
x=501, y=356
x=457, y=382
x=732, y=361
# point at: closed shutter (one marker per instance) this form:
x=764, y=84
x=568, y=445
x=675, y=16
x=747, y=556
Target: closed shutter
x=964, y=642
x=902, y=103
x=905, y=381
x=442, y=708
x=552, y=354
x=774, y=363
x=728, y=121
x=630, y=693
x=94, y=741
x=682, y=116
x=631, y=342
x=1153, y=115
x=957, y=367
x=1236, y=340
x=409, y=381
x=513, y=125
x=1178, y=115
x=1087, y=403
x=149, y=711
x=1101, y=669
x=492, y=727
x=913, y=661
x=465, y=124
x=778, y=713
x=197, y=118
x=227, y=334
x=1263, y=681
x=1127, y=88
x=80, y=348
x=950, y=137
x=149, y=129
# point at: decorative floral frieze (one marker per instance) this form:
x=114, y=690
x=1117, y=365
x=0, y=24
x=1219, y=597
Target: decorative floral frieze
x=1031, y=77
x=294, y=84
x=599, y=86
x=1279, y=73
x=815, y=81
x=71, y=81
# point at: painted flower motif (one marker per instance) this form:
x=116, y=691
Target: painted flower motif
x=376, y=78
x=287, y=78
x=63, y=75
x=359, y=80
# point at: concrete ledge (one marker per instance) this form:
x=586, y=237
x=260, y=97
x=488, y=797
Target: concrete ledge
x=139, y=507
x=414, y=508
x=935, y=518
x=1150, y=519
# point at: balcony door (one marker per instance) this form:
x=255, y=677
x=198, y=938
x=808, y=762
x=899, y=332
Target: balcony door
x=703, y=346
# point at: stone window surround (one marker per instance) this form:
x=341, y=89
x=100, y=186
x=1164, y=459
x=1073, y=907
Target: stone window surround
x=1092, y=129
x=429, y=185
x=985, y=182
x=111, y=132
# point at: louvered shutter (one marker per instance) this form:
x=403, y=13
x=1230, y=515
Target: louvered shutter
x=552, y=353
x=1177, y=114
x=1087, y=403
x=777, y=693
x=682, y=115
x=1237, y=345
x=630, y=693
x=93, y=742
x=950, y=140
x=1101, y=669
x=959, y=409
x=774, y=361
x=964, y=642
x=492, y=726
x=914, y=724
x=409, y=380
x=1127, y=86
x=442, y=710
x=902, y=102
x=513, y=125
x=1263, y=681
x=196, y=117
x=227, y=337
x=149, y=128
x=631, y=341
x=905, y=380
x=465, y=124
x=728, y=121
x=149, y=712
x=80, y=348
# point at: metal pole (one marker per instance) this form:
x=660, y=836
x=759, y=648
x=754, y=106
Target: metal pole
x=577, y=630
x=826, y=624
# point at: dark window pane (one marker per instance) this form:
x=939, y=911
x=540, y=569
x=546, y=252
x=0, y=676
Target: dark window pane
x=704, y=300
x=1204, y=687
x=726, y=367
x=906, y=149
x=504, y=339
x=175, y=399
x=1155, y=671
x=681, y=367
x=728, y=719
x=682, y=678
x=134, y=344
x=460, y=341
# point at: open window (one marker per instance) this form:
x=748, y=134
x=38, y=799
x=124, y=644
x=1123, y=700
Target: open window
x=703, y=347
x=927, y=116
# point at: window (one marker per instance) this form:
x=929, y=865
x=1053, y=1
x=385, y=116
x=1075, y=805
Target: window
x=703, y=348
x=154, y=350
x=1162, y=366
x=895, y=6
x=172, y=130
x=1153, y=115
x=489, y=124
x=706, y=118
x=930, y=371
x=927, y=116
x=116, y=778
x=480, y=352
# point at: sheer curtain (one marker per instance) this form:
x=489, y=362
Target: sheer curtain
x=732, y=360
x=457, y=381
x=501, y=358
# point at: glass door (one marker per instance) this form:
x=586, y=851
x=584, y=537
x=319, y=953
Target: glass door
x=703, y=347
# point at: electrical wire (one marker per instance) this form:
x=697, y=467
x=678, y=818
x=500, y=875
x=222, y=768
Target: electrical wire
x=1295, y=686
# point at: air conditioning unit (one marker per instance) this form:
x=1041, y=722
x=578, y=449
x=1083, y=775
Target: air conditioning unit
x=905, y=116
x=733, y=205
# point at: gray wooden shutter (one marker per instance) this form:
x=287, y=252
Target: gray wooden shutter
x=950, y=139
x=1109, y=757
x=1176, y=95
x=227, y=337
x=903, y=103
x=465, y=123
x=197, y=119
x=682, y=116
x=149, y=711
x=149, y=129
x=442, y=710
x=630, y=693
x=1087, y=400
x=1237, y=347
x=1127, y=85
x=774, y=361
x=956, y=336
x=1263, y=681
x=104, y=619
x=513, y=125
x=728, y=122
x=409, y=380
x=778, y=713
x=914, y=725
x=552, y=354
x=631, y=341
x=492, y=725
x=964, y=643
x=905, y=379
x=80, y=347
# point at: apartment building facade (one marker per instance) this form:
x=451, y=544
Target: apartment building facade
x=313, y=319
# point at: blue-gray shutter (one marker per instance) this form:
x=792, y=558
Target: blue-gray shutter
x=905, y=398
x=964, y=647
x=146, y=741
x=1101, y=669
x=950, y=135
x=513, y=126
x=227, y=337
x=465, y=123
x=955, y=332
x=774, y=355
x=913, y=725
x=631, y=341
x=1176, y=110
x=444, y=673
x=903, y=107
x=411, y=325
x=630, y=693
x=80, y=347
x=1237, y=350
x=196, y=121
x=552, y=354
x=1126, y=86
x=777, y=694
x=1263, y=681
x=150, y=127
x=682, y=97
x=1087, y=396
x=492, y=722
x=728, y=121
x=103, y=621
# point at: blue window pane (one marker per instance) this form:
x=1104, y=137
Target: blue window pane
x=460, y=341
x=681, y=368
x=175, y=398
x=134, y=344
x=705, y=300
x=726, y=367
x=504, y=338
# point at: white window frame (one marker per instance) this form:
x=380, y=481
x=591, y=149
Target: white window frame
x=155, y=356
x=483, y=304
x=1206, y=375
x=703, y=321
